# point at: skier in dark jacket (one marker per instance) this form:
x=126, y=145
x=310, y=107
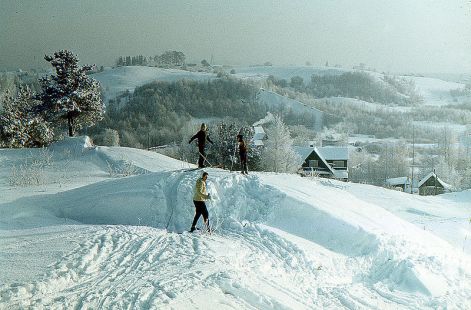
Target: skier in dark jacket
x=199, y=196
x=242, y=154
x=202, y=136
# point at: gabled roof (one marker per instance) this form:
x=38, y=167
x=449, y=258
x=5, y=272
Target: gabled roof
x=334, y=152
x=258, y=129
x=398, y=181
x=304, y=152
x=432, y=174
x=327, y=152
x=324, y=161
x=259, y=133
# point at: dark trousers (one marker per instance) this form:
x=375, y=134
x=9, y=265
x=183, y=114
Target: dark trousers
x=202, y=156
x=243, y=162
x=200, y=209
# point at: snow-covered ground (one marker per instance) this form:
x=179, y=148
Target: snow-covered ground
x=114, y=81
x=286, y=72
x=442, y=126
x=279, y=102
x=118, y=80
x=436, y=92
x=86, y=238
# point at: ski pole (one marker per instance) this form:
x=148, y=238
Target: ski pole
x=205, y=159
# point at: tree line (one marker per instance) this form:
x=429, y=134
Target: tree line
x=166, y=59
x=359, y=85
x=155, y=113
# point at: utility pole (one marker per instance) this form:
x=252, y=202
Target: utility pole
x=413, y=160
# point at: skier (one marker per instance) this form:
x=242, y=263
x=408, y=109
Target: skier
x=242, y=153
x=199, y=197
x=202, y=136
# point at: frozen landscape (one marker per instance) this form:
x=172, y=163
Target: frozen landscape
x=99, y=105
x=436, y=92
x=106, y=228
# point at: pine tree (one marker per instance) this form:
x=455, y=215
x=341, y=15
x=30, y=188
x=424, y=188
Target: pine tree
x=120, y=61
x=225, y=143
x=20, y=125
x=70, y=96
x=278, y=154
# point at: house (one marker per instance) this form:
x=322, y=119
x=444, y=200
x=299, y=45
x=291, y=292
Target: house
x=401, y=183
x=431, y=184
x=328, y=161
x=259, y=135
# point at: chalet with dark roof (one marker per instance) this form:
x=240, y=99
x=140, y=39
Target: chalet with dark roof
x=328, y=161
x=431, y=184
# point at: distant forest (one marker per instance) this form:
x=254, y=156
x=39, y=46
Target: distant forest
x=164, y=113
x=155, y=113
x=359, y=85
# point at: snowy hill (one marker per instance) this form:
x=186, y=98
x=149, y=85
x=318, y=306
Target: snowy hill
x=117, y=80
x=435, y=91
x=87, y=238
x=279, y=102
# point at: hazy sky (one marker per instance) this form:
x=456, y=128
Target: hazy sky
x=389, y=35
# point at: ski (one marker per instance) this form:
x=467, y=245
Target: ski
x=191, y=169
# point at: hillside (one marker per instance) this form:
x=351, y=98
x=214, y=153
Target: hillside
x=117, y=80
x=83, y=238
x=114, y=81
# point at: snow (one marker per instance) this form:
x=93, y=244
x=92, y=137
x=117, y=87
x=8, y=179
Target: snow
x=435, y=91
x=92, y=239
x=286, y=72
x=118, y=80
x=398, y=181
x=281, y=103
x=432, y=174
x=442, y=126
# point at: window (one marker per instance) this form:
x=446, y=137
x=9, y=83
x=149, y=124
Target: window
x=313, y=163
x=338, y=164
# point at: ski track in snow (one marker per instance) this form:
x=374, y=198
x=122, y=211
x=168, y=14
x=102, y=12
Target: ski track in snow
x=135, y=267
x=276, y=245
x=138, y=267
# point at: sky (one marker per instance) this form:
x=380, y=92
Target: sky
x=420, y=36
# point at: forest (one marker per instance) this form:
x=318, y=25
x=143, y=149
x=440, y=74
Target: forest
x=156, y=113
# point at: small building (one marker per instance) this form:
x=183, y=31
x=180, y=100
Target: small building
x=431, y=184
x=328, y=161
x=259, y=136
x=402, y=183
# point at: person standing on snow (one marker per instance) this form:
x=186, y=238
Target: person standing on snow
x=242, y=154
x=199, y=198
x=202, y=136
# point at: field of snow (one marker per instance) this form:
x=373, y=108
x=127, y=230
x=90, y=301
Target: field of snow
x=436, y=92
x=280, y=103
x=118, y=80
x=89, y=237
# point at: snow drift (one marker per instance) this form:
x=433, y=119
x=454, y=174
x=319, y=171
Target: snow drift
x=280, y=241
